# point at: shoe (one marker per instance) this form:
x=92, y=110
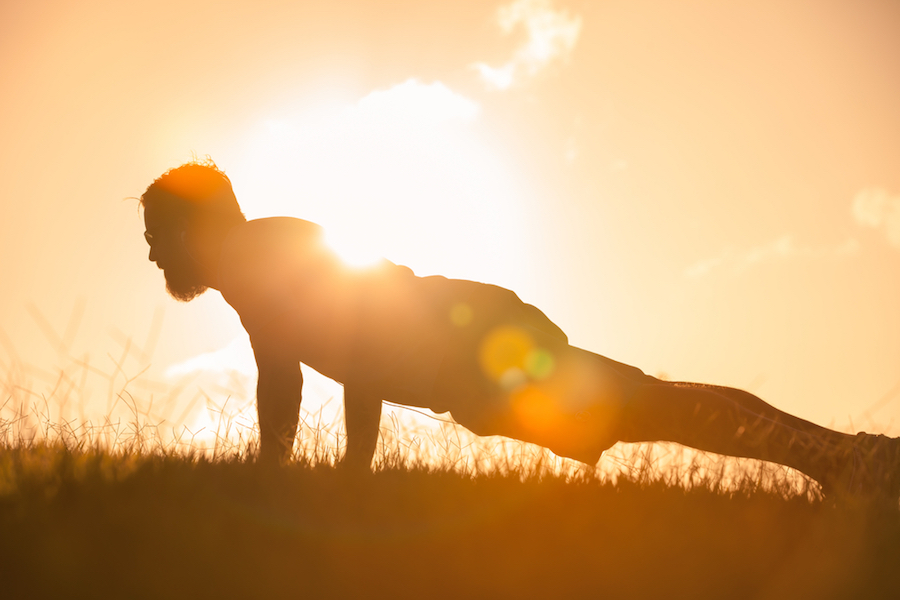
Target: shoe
x=869, y=471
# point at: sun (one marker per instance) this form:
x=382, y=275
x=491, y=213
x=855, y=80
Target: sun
x=404, y=173
x=353, y=251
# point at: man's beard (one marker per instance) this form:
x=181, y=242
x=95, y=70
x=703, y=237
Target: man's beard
x=183, y=281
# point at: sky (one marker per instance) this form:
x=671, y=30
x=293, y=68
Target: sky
x=708, y=191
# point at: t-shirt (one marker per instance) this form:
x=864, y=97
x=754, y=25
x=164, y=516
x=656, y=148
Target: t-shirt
x=379, y=326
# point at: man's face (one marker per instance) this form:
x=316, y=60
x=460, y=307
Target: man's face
x=183, y=280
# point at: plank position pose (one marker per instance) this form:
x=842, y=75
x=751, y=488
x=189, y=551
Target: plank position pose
x=497, y=364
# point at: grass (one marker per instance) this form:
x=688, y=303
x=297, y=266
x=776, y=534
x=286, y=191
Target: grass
x=120, y=510
x=92, y=523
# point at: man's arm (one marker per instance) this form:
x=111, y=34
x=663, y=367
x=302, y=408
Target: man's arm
x=278, y=394
x=362, y=416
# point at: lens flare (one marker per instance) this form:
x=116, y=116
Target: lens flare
x=536, y=410
x=539, y=364
x=504, y=348
x=510, y=356
x=461, y=314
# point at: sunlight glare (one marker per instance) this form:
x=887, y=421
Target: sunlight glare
x=354, y=251
x=403, y=173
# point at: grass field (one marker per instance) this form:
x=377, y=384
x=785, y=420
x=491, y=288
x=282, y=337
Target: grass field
x=89, y=523
x=114, y=511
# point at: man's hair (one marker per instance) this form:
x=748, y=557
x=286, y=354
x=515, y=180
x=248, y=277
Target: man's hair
x=197, y=191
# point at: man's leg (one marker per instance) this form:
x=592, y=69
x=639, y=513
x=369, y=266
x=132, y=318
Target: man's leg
x=578, y=404
x=612, y=401
x=731, y=422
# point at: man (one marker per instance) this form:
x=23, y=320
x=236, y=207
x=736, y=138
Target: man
x=498, y=365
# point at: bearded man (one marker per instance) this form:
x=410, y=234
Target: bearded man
x=499, y=366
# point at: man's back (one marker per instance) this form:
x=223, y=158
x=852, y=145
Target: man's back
x=380, y=326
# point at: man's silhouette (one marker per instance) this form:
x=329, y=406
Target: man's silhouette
x=497, y=364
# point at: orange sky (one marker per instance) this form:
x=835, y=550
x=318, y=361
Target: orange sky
x=703, y=189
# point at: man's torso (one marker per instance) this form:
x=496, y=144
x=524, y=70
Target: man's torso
x=380, y=327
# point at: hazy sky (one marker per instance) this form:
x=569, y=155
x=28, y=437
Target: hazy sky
x=704, y=189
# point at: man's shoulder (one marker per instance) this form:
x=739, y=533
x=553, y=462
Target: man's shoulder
x=262, y=239
x=273, y=229
x=266, y=248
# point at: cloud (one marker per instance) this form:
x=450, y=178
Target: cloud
x=412, y=101
x=551, y=35
x=236, y=356
x=703, y=267
x=403, y=110
x=783, y=247
x=877, y=208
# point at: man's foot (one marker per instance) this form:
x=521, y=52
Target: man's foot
x=869, y=469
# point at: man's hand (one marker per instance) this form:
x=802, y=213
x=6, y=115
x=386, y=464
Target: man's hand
x=362, y=416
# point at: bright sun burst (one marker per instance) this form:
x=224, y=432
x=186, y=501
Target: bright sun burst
x=352, y=250
x=402, y=174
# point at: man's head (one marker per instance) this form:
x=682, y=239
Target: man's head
x=187, y=212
